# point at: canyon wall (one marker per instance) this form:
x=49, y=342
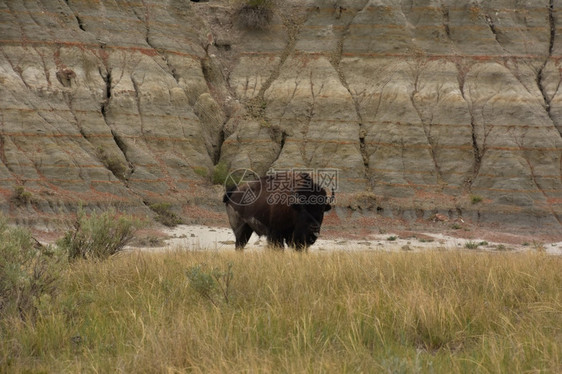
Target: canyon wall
x=422, y=106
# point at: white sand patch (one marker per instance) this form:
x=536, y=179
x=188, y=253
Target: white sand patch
x=197, y=237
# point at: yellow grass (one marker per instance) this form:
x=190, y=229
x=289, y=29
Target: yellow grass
x=286, y=312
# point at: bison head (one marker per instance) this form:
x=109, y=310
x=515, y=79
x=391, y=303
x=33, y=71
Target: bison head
x=311, y=202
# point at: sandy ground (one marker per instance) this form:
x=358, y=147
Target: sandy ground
x=198, y=237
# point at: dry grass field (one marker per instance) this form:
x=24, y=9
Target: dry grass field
x=225, y=312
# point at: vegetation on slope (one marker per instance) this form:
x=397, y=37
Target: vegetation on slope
x=254, y=14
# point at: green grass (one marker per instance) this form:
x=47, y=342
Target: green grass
x=444, y=312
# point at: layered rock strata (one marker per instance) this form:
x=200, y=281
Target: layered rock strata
x=422, y=106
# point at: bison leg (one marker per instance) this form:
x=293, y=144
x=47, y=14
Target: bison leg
x=298, y=244
x=242, y=231
x=275, y=241
x=243, y=234
x=299, y=241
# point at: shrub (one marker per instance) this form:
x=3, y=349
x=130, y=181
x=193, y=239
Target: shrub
x=98, y=236
x=211, y=284
x=201, y=171
x=424, y=240
x=220, y=173
x=471, y=245
x=475, y=199
x=164, y=214
x=255, y=14
x=21, y=196
x=29, y=272
x=539, y=247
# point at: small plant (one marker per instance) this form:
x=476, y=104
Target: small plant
x=501, y=247
x=21, y=196
x=471, y=245
x=165, y=215
x=424, y=240
x=201, y=171
x=475, y=199
x=211, y=284
x=456, y=226
x=98, y=236
x=539, y=247
x=29, y=272
x=220, y=173
x=255, y=14
x=392, y=238
x=148, y=241
x=256, y=107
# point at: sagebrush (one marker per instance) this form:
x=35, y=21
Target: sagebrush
x=212, y=284
x=98, y=235
x=29, y=272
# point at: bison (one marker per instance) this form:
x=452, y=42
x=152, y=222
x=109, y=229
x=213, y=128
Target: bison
x=287, y=208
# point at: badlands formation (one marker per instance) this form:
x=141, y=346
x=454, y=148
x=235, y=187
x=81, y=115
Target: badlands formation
x=427, y=108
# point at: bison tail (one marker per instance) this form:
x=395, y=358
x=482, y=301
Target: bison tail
x=228, y=193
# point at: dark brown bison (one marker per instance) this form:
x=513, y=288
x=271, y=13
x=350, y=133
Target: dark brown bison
x=287, y=208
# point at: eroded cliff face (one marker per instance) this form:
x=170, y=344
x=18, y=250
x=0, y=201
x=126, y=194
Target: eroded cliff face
x=422, y=106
